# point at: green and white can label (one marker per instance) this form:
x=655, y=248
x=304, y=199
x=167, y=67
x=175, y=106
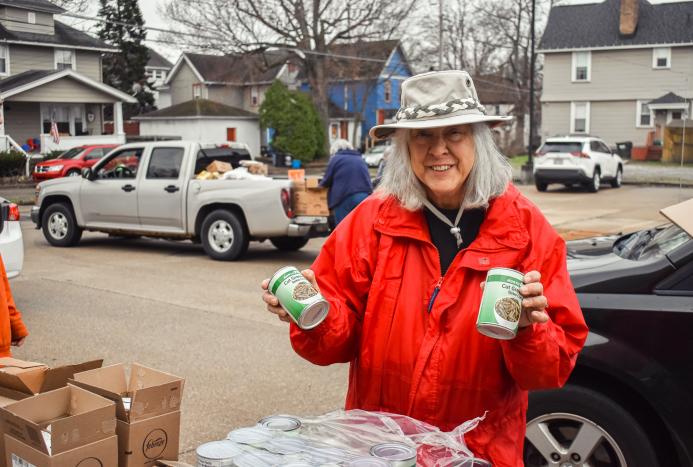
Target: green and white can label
x=298, y=297
x=501, y=304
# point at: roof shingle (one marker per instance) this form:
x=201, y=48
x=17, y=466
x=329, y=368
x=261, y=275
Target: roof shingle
x=64, y=35
x=23, y=78
x=239, y=69
x=156, y=60
x=37, y=5
x=200, y=108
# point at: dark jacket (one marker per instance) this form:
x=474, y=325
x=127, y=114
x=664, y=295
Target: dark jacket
x=346, y=174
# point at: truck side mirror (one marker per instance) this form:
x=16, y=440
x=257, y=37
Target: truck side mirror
x=87, y=173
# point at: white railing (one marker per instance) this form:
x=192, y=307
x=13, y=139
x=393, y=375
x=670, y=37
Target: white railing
x=7, y=143
x=69, y=142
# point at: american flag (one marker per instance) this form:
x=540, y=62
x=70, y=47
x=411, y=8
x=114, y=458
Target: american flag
x=54, y=132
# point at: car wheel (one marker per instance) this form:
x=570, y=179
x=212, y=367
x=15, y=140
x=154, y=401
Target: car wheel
x=289, y=243
x=578, y=426
x=618, y=179
x=59, y=225
x=223, y=236
x=541, y=186
x=593, y=186
x=73, y=173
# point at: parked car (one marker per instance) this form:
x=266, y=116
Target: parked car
x=150, y=189
x=374, y=155
x=629, y=400
x=71, y=162
x=11, y=242
x=574, y=160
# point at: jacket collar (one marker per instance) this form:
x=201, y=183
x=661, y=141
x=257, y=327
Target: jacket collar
x=502, y=226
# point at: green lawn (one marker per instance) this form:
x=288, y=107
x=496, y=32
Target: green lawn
x=518, y=161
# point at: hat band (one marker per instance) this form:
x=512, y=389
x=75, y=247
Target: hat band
x=434, y=110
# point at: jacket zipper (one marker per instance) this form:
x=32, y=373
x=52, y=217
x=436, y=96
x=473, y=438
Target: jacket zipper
x=435, y=294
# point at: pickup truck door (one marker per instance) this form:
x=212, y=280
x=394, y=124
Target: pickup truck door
x=161, y=192
x=110, y=199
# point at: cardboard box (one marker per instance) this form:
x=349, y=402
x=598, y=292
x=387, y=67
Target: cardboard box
x=67, y=426
x=296, y=175
x=312, y=183
x=309, y=202
x=680, y=214
x=150, y=429
x=218, y=166
x=255, y=167
x=20, y=379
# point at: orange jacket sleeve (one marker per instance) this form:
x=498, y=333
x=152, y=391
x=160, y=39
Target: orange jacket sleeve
x=343, y=272
x=16, y=324
x=543, y=355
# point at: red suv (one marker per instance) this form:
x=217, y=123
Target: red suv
x=71, y=162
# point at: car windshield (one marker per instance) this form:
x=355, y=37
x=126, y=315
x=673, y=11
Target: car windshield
x=71, y=153
x=652, y=243
x=560, y=146
x=376, y=149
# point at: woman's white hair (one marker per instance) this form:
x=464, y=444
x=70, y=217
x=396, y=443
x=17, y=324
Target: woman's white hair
x=488, y=178
x=339, y=145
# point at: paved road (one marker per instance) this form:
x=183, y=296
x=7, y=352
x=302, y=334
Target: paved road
x=166, y=305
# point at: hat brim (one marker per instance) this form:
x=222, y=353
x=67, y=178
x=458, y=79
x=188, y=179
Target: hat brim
x=385, y=131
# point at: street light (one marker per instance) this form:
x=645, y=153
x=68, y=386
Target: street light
x=527, y=169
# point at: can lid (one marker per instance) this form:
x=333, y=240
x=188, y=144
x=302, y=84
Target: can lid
x=394, y=451
x=253, y=435
x=496, y=331
x=218, y=450
x=280, y=422
x=279, y=272
x=313, y=314
x=368, y=461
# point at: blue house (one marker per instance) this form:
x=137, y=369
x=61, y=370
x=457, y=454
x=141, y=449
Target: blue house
x=364, y=91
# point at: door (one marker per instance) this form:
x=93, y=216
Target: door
x=610, y=158
x=110, y=199
x=604, y=160
x=230, y=134
x=160, y=193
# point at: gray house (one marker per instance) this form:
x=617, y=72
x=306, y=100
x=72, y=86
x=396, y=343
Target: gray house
x=50, y=72
x=617, y=69
x=157, y=71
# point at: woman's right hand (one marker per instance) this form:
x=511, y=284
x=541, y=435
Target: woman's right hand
x=272, y=302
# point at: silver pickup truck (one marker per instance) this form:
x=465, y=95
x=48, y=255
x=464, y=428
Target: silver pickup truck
x=149, y=189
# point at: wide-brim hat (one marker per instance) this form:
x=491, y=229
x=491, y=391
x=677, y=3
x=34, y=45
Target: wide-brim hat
x=437, y=99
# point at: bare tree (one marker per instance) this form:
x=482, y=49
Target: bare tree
x=74, y=5
x=309, y=28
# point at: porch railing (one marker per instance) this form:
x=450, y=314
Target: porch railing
x=7, y=143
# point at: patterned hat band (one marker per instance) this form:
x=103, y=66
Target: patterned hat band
x=417, y=112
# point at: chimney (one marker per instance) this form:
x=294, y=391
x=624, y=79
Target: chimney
x=629, y=17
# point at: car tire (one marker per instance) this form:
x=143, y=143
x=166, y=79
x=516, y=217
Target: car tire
x=73, y=173
x=60, y=226
x=224, y=236
x=618, y=179
x=289, y=243
x=593, y=185
x=563, y=413
x=541, y=186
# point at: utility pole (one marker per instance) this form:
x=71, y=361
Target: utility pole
x=440, y=35
x=527, y=169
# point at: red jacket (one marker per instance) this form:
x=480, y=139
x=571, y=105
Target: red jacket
x=11, y=326
x=378, y=270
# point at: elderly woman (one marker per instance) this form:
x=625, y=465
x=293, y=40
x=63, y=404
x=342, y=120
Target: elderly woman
x=403, y=277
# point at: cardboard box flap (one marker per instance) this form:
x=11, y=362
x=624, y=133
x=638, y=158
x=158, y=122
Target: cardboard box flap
x=680, y=214
x=56, y=378
x=153, y=392
x=18, y=375
x=109, y=382
x=24, y=430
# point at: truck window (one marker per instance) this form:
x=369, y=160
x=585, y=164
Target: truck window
x=123, y=164
x=231, y=155
x=165, y=163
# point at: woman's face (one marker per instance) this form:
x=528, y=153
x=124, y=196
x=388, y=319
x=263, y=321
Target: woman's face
x=441, y=159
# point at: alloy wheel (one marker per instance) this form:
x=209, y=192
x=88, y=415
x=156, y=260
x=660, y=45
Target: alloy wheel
x=596, y=181
x=569, y=440
x=619, y=177
x=220, y=236
x=57, y=225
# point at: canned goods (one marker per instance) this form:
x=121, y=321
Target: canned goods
x=280, y=423
x=286, y=445
x=217, y=454
x=298, y=297
x=254, y=436
x=367, y=461
x=398, y=454
x=501, y=304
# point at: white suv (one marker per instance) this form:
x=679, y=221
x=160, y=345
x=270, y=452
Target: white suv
x=11, y=242
x=576, y=159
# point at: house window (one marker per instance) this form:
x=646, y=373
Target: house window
x=230, y=134
x=334, y=130
x=64, y=59
x=253, y=96
x=4, y=60
x=581, y=66
x=70, y=118
x=676, y=115
x=643, y=115
x=661, y=57
x=197, y=90
x=31, y=17
x=579, y=117
x=387, y=87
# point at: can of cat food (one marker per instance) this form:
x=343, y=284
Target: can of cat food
x=501, y=304
x=217, y=454
x=397, y=454
x=280, y=423
x=298, y=297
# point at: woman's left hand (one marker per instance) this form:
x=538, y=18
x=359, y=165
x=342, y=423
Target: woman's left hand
x=534, y=302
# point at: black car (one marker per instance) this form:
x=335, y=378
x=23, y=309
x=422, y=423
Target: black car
x=629, y=401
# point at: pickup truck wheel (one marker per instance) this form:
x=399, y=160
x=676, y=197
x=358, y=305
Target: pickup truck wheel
x=73, y=173
x=59, y=225
x=223, y=236
x=289, y=243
